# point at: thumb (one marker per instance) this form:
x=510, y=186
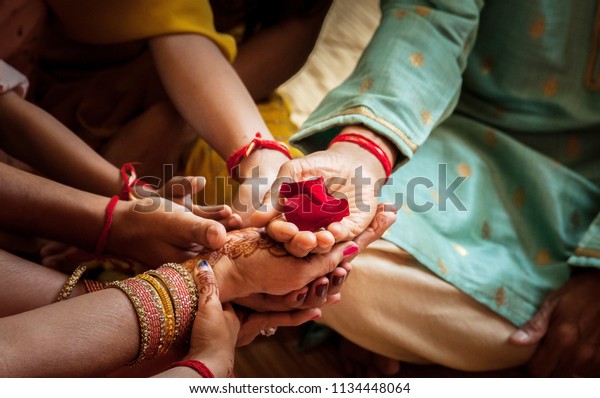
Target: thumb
x=208, y=291
x=269, y=208
x=535, y=329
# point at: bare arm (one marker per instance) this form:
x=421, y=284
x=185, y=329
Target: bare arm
x=32, y=135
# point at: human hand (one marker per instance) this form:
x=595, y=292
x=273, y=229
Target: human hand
x=215, y=329
x=155, y=231
x=180, y=190
x=253, y=322
x=566, y=327
x=332, y=164
x=258, y=173
x=325, y=289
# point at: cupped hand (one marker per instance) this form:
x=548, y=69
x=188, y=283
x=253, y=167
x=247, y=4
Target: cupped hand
x=356, y=180
x=566, y=329
x=326, y=288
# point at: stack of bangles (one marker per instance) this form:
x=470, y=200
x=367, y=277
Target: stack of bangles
x=165, y=301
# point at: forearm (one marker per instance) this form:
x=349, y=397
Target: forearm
x=35, y=137
x=207, y=91
x=272, y=56
x=89, y=335
x=35, y=205
x=29, y=286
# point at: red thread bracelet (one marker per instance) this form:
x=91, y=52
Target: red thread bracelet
x=257, y=143
x=370, y=146
x=198, y=366
x=130, y=180
x=108, y=217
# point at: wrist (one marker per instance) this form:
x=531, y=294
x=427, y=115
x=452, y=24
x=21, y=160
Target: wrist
x=230, y=282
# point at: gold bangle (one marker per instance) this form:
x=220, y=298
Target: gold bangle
x=165, y=298
x=189, y=280
x=142, y=319
x=68, y=287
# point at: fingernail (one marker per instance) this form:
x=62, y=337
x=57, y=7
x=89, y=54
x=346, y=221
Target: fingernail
x=350, y=251
x=338, y=280
x=202, y=263
x=301, y=297
x=520, y=336
x=321, y=290
x=315, y=317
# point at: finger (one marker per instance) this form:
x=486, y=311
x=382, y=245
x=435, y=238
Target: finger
x=281, y=230
x=257, y=321
x=231, y=320
x=234, y=221
x=380, y=223
x=325, y=241
x=296, y=298
x=328, y=262
x=544, y=361
x=207, y=233
x=178, y=187
x=339, y=231
x=218, y=212
x=269, y=208
x=533, y=331
x=317, y=293
x=301, y=244
x=336, y=280
x=208, y=291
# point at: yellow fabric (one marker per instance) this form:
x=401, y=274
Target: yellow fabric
x=204, y=161
x=117, y=21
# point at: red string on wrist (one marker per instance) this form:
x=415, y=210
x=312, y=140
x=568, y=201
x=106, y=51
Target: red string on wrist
x=370, y=146
x=257, y=143
x=108, y=217
x=130, y=180
x=198, y=366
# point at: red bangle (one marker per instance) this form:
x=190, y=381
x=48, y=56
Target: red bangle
x=257, y=143
x=130, y=180
x=108, y=217
x=196, y=365
x=370, y=146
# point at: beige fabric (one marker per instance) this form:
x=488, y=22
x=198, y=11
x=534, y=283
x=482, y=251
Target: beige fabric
x=395, y=307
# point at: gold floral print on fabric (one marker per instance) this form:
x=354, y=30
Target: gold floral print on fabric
x=543, y=257
x=400, y=13
x=463, y=170
x=366, y=84
x=591, y=77
x=417, y=60
x=519, y=197
x=406, y=209
x=442, y=266
x=434, y=194
x=500, y=297
x=426, y=117
x=422, y=10
x=486, y=66
x=538, y=28
x=551, y=87
x=461, y=250
x=490, y=138
x=486, y=230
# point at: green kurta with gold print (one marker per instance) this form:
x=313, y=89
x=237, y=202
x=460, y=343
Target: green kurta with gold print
x=496, y=105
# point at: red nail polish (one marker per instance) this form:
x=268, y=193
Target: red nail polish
x=315, y=317
x=350, y=251
x=301, y=297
